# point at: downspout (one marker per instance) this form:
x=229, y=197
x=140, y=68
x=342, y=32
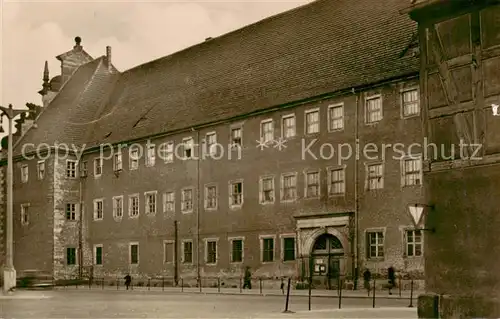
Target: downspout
x=198, y=200
x=80, y=228
x=356, y=202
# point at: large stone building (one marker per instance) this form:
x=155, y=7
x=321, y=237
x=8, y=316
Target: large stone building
x=324, y=74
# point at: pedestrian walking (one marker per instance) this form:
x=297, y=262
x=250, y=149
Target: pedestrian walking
x=391, y=275
x=367, y=277
x=128, y=280
x=247, y=279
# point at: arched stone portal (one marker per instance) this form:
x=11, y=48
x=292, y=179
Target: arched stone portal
x=327, y=260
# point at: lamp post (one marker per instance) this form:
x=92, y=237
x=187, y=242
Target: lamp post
x=9, y=273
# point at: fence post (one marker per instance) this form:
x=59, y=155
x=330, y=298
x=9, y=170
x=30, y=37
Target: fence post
x=149, y=283
x=287, y=296
x=102, y=283
x=260, y=285
x=162, y=283
x=282, y=286
x=117, y=283
x=218, y=284
x=241, y=288
x=374, y=289
x=310, y=284
x=411, y=294
x=182, y=284
x=399, y=286
x=90, y=282
x=340, y=292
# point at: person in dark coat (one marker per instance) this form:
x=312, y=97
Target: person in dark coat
x=128, y=280
x=247, y=281
x=367, y=277
x=391, y=275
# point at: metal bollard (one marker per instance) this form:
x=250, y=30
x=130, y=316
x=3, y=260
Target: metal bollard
x=162, y=283
x=241, y=288
x=102, y=284
x=310, y=284
x=374, y=289
x=260, y=285
x=411, y=294
x=149, y=283
x=399, y=284
x=218, y=285
x=117, y=283
x=340, y=293
x=182, y=284
x=199, y=283
x=287, y=296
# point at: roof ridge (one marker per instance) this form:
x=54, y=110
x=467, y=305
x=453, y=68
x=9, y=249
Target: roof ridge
x=44, y=109
x=192, y=47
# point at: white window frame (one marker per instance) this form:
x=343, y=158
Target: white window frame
x=404, y=173
x=403, y=106
x=231, y=183
x=183, y=252
x=147, y=207
x=24, y=176
x=165, y=243
x=306, y=124
x=263, y=139
x=25, y=212
x=117, y=162
x=76, y=206
x=206, y=241
x=282, y=187
x=83, y=168
x=74, y=170
x=406, y=243
x=282, y=250
x=130, y=253
x=133, y=163
x=329, y=171
x=130, y=205
x=101, y=162
x=367, y=241
x=231, y=240
x=95, y=255
x=165, y=197
x=367, y=117
x=368, y=177
x=167, y=152
x=115, y=207
x=283, y=128
x=261, y=240
x=150, y=158
x=38, y=165
x=330, y=119
x=211, y=148
x=183, y=200
x=184, y=148
x=207, y=186
x=262, y=200
x=231, y=137
x=95, y=206
x=306, y=185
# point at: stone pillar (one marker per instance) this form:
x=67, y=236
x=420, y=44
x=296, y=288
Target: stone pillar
x=460, y=71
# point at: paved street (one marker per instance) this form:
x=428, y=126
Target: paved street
x=155, y=304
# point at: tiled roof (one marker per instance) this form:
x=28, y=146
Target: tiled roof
x=325, y=46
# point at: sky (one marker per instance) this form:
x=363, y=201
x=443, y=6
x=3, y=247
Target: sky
x=33, y=32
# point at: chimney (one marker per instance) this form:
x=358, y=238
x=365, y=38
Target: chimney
x=108, y=56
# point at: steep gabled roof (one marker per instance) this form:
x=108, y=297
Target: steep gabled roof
x=68, y=117
x=322, y=47
x=325, y=46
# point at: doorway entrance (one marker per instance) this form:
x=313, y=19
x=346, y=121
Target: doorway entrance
x=327, y=261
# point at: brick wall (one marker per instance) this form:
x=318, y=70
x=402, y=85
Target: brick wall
x=386, y=208
x=33, y=243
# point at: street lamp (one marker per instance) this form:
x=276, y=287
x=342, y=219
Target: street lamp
x=416, y=211
x=9, y=273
